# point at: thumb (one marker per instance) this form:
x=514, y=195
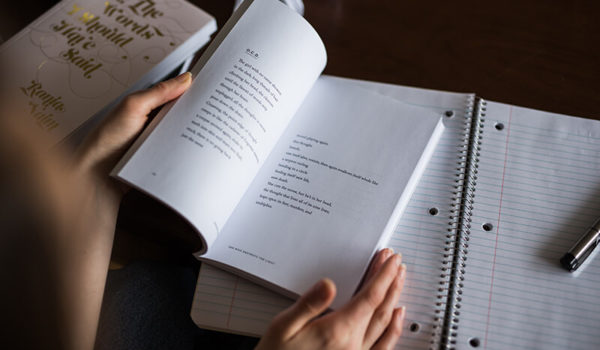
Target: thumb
x=143, y=102
x=310, y=305
x=112, y=137
x=128, y=119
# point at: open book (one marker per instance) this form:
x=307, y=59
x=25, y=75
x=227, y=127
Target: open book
x=507, y=192
x=287, y=179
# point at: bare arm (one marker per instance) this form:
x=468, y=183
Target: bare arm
x=87, y=257
x=62, y=222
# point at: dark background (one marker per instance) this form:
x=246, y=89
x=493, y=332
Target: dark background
x=542, y=54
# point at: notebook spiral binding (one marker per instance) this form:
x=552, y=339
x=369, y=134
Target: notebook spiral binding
x=454, y=259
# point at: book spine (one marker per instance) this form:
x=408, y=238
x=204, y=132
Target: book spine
x=446, y=321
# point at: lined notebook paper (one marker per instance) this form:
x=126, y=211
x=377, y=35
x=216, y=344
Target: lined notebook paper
x=534, y=192
x=538, y=187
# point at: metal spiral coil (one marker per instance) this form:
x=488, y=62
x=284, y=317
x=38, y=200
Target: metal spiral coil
x=454, y=257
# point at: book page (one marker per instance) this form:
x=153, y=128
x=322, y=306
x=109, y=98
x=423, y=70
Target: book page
x=201, y=156
x=537, y=191
x=336, y=183
x=227, y=302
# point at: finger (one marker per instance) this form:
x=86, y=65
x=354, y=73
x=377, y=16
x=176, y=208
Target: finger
x=310, y=305
x=114, y=135
x=383, y=316
x=389, y=339
x=361, y=307
x=143, y=102
x=377, y=263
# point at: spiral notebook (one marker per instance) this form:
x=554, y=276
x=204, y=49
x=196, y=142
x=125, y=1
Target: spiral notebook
x=507, y=192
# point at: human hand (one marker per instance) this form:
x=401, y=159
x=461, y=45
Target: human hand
x=107, y=143
x=59, y=212
x=370, y=320
x=85, y=252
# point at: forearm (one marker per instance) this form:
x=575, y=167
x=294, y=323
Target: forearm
x=59, y=243
x=62, y=239
x=87, y=254
x=84, y=253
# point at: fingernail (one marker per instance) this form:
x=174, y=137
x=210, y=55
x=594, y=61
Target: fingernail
x=387, y=252
x=402, y=271
x=184, y=77
x=402, y=312
x=319, y=290
x=316, y=286
x=399, y=315
x=398, y=259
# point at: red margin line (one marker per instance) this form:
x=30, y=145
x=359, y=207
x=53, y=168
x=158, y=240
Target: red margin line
x=232, y=300
x=487, y=323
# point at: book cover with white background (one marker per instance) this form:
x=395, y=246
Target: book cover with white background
x=81, y=55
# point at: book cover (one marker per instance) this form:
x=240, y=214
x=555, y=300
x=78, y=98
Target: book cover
x=81, y=55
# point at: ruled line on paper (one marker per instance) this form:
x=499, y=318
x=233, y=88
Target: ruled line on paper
x=548, y=196
x=491, y=290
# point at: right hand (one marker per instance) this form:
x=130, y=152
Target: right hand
x=369, y=320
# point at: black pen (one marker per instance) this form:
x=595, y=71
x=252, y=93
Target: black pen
x=582, y=249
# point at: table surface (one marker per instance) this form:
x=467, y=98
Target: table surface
x=541, y=54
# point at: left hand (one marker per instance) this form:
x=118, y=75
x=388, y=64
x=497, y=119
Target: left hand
x=107, y=143
x=59, y=214
x=86, y=248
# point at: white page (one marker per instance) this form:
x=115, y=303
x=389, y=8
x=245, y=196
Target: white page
x=227, y=302
x=538, y=185
x=329, y=190
x=202, y=156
